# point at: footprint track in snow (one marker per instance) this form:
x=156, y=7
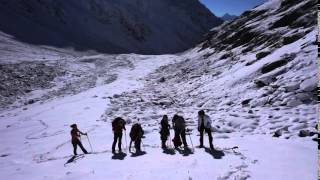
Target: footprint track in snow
x=44, y=157
x=34, y=135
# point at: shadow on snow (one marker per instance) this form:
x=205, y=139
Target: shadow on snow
x=136, y=154
x=216, y=154
x=169, y=151
x=185, y=152
x=119, y=156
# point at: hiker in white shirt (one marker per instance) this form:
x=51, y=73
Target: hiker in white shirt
x=204, y=125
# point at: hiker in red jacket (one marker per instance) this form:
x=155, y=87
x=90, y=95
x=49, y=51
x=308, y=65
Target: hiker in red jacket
x=75, y=135
x=118, y=125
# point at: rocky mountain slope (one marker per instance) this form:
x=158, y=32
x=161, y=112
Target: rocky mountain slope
x=261, y=66
x=124, y=26
x=263, y=61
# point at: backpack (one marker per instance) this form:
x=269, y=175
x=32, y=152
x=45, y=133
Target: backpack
x=114, y=124
x=136, y=132
x=117, y=124
x=164, y=128
x=180, y=123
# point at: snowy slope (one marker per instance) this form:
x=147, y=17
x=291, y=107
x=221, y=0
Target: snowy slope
x=122, y=26
x=255, y=75
x=270, y=87
x=263, y=104
x=36, y=142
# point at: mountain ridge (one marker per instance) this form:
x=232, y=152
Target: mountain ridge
x=140, y=26
x=228, y=17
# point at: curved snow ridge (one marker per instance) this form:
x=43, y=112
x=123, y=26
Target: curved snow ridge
x=269, y=5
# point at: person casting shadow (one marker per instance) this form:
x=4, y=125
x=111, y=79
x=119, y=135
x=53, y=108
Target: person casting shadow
x=179, y=127
x=75, y=135
x=136, y=134
x=118, y=124
x=164, y=131
x=204, y=125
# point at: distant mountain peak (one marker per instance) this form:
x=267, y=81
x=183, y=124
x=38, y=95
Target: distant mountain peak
x=228, y=17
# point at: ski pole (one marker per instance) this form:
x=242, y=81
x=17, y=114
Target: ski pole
x=125, y=137
x=142, y=145
x=130, y=146
x=191, y=142
x=121, y=146
x=170, y=139
x=89, y=143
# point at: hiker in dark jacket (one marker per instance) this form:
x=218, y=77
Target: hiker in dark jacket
x=75, y=135
x=136, y=134
x=118, y=124
x=165, y=131
x=179, y=127
x=204, y=125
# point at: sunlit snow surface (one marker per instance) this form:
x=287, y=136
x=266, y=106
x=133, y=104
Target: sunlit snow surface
x=35, y=142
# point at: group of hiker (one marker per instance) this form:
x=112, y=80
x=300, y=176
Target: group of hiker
x=136, y=133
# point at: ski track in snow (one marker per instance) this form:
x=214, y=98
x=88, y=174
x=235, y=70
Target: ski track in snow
x=40, y=130
x=44, y=142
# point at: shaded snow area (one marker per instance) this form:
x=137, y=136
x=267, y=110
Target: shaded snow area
x=255, y=76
